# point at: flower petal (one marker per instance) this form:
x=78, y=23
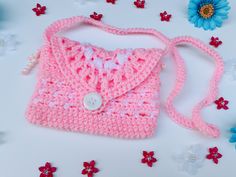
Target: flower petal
x=92, y=163
x=53, y=169
x=34, y=9
x=95, y=170
x=90, y=174
x=192, y=12
x=84, y=171
x=233, y=130
x=43, y=8
x=200, y=22
x=144, y=160
x=219, y=155
x=151, y=153
x=154, y=160
x=149, y=164
x=49, y=175
x=41, y=169
x=42, y=175
x=48, y=165
x=213, y=150
x=215, y=160
x=196, y=1
x=221, y=4
x=212, y=25
x=192, y=5
x=206, y=25
x=193, y=19
x=218, y=20
x=86, y=164
x=209, y=156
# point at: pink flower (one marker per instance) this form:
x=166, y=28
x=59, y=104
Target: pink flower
x=96, y=16
x=214, y=155
x=39, y=10
x=148, y=158
x=89, y=168
x=111, y=1
x=215, y=42
x=165, y=16
x=222, y=103
x=139, y=3
x=47, y=170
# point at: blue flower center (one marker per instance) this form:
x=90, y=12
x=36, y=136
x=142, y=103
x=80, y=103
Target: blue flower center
x=206, y=10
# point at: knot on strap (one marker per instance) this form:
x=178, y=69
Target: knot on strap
x=206, y=128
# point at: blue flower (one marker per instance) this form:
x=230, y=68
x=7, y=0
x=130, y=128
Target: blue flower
x=233, y=137
x=208, y=14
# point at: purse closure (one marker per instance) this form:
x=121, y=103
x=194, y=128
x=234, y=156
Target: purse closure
x=100, y=75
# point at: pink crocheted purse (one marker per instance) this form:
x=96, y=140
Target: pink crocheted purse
x=88, y=89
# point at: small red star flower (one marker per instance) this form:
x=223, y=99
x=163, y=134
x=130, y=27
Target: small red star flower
x=47, y=170
x=165, y=16
x=215, y=42
x=111, y=1
x=139, y=3
x=96, y=16
x=222, y=103
x=214, y=155
x=89, y=168
x=148, y=158
x=39, y=10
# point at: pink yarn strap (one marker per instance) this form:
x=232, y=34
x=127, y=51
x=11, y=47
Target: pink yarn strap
x=64, y=24
x=196, y=122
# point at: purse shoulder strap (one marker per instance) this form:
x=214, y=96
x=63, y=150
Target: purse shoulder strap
x=195, y=122
x=67, y=23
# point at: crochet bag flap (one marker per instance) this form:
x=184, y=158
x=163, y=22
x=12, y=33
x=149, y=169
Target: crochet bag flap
x=84, y=88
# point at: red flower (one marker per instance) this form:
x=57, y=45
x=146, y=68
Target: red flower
x=222, y=103
x=89, y=168
x=214, y=155
x=215, y=42
x=47, y=170
x=139, y=3
x=148, y=158
x=165, y=16
x=39, y=10
x=96, y=16
x=111, y=1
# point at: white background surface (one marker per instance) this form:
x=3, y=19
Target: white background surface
x=27, y=147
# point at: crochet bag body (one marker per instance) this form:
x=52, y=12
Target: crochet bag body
x=88, y=89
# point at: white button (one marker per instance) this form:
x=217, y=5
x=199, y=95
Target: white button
x=92, y=101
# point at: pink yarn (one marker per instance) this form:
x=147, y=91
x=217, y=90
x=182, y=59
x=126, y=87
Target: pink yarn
x=127, y=80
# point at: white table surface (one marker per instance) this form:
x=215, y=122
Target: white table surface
x=26, y=146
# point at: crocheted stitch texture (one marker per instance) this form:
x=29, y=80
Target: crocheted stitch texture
x=126, y=79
